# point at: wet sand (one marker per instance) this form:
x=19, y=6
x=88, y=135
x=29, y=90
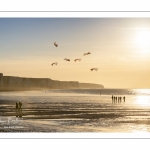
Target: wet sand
x=66, y=113
x=38, y=118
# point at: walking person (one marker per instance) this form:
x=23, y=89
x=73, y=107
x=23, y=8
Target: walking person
x=112, y=99
x=116, y=99
x=20, y=106
x=16, y=109
x=16, y=106
x=124, y=98
x=20, y=109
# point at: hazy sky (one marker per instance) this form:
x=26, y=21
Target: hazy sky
x=120, y=49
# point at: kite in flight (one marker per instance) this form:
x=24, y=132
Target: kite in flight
x=86, y=53
x=55, y=44
x=94, y=69
x=54, y=63
x=67, y=59
x=77, y=59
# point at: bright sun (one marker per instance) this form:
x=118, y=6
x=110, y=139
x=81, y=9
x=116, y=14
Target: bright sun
x=143, y=40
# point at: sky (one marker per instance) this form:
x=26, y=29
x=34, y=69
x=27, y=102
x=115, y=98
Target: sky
x=120, y=49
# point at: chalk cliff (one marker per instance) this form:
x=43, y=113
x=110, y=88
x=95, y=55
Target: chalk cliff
x=21, y=83
x=90, y=85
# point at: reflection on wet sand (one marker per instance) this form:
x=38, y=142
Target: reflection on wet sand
x=77, y=113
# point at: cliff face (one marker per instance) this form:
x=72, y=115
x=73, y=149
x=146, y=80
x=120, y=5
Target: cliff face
x=9, y=82
x=90, y=85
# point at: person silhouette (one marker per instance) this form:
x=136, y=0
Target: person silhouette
x=20, y=106
x=116, y=99
x=16, y=109
x=20, y=109
x=124, y=98
x=112, y=98
x=16, y=106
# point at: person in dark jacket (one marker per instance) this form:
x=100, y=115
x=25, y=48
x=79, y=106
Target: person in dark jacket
x=124, y=98
x=112, y=98
x=16, y=109
x=20, y=106
x=16, y=106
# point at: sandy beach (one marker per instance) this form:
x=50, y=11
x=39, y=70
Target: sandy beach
x=72, y=112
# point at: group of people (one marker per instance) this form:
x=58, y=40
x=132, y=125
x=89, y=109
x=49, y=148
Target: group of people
x=115, y=98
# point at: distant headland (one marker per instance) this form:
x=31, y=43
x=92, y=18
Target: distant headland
x=22, y=83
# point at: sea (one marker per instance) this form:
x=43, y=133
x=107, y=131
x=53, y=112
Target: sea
x=76, y=111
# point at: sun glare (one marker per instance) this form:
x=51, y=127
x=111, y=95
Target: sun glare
x=142, y=40
x=143, y=100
